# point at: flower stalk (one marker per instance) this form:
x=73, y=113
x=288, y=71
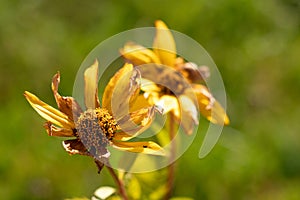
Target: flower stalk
x=171, y=168
x=119, y=183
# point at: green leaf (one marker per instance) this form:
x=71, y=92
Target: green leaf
x=77, y=198
x=134, y=188
x=159, y=192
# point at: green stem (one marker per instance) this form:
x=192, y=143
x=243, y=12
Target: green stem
x=171, y=168
x=119, y=183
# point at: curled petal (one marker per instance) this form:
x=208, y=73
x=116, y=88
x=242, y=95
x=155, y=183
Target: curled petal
x=56, y=131
x=91, y=87
x=183, y=109
x=189, y=114
x=122, y=89
x=164, y=45
x=209, y=107
x=168, y=103
x=138, y=55
x=48, y=112
x=140, y=147
x=67, y=105
x=135, y=123
x=75, y=147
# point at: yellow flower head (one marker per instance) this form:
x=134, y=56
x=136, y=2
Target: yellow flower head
x=183, y=77
x=97, y=127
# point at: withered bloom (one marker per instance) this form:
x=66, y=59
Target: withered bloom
x=97, y=127
x=182, y=78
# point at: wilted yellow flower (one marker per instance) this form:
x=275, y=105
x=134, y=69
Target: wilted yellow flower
x=96, y=128
x=183, y=80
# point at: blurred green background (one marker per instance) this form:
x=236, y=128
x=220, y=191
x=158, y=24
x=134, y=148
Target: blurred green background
x=255, y=44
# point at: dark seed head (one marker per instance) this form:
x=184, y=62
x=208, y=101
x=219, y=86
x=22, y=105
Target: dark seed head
x=95, y=129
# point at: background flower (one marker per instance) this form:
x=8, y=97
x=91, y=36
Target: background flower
x=173, y=89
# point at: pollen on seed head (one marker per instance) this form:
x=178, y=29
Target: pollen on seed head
x=95, y=129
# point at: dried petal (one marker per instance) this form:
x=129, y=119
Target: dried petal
x=67, y=105
x=167, y=79
x=75, y=147
x=48, y=112
x=164, y=45
x=56, y=131
x=209, y=107
x=140, y=147
x=91, y=87
x=193, y=72
x=138, y=55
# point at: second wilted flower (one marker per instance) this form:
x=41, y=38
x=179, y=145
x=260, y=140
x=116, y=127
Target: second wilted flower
x=160, y=67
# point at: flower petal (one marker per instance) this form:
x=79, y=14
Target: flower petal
x=209, y=107
x=91, y=87
x=164, y=45
x=138, y=55
x=135, y=123
x=122, y=89
x=140, y=147
x=149, y=86
x=67, y=105
x=56, y=131
x=48, y=112
x=140, y=102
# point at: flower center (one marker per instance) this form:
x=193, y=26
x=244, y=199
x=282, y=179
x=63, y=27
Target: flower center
x=95, y=129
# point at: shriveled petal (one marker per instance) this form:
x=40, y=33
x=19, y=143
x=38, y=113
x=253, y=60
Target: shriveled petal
x=67, y=105
x=209, y=107
x=135, y=123
x=191, y=71
x=75, y=147
x=91, y=87
x=138, y=55
x=122, y=89
x=48, y=112
x=164, y=45
x=56, y=131
x=140, y=147
x=189, y=114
